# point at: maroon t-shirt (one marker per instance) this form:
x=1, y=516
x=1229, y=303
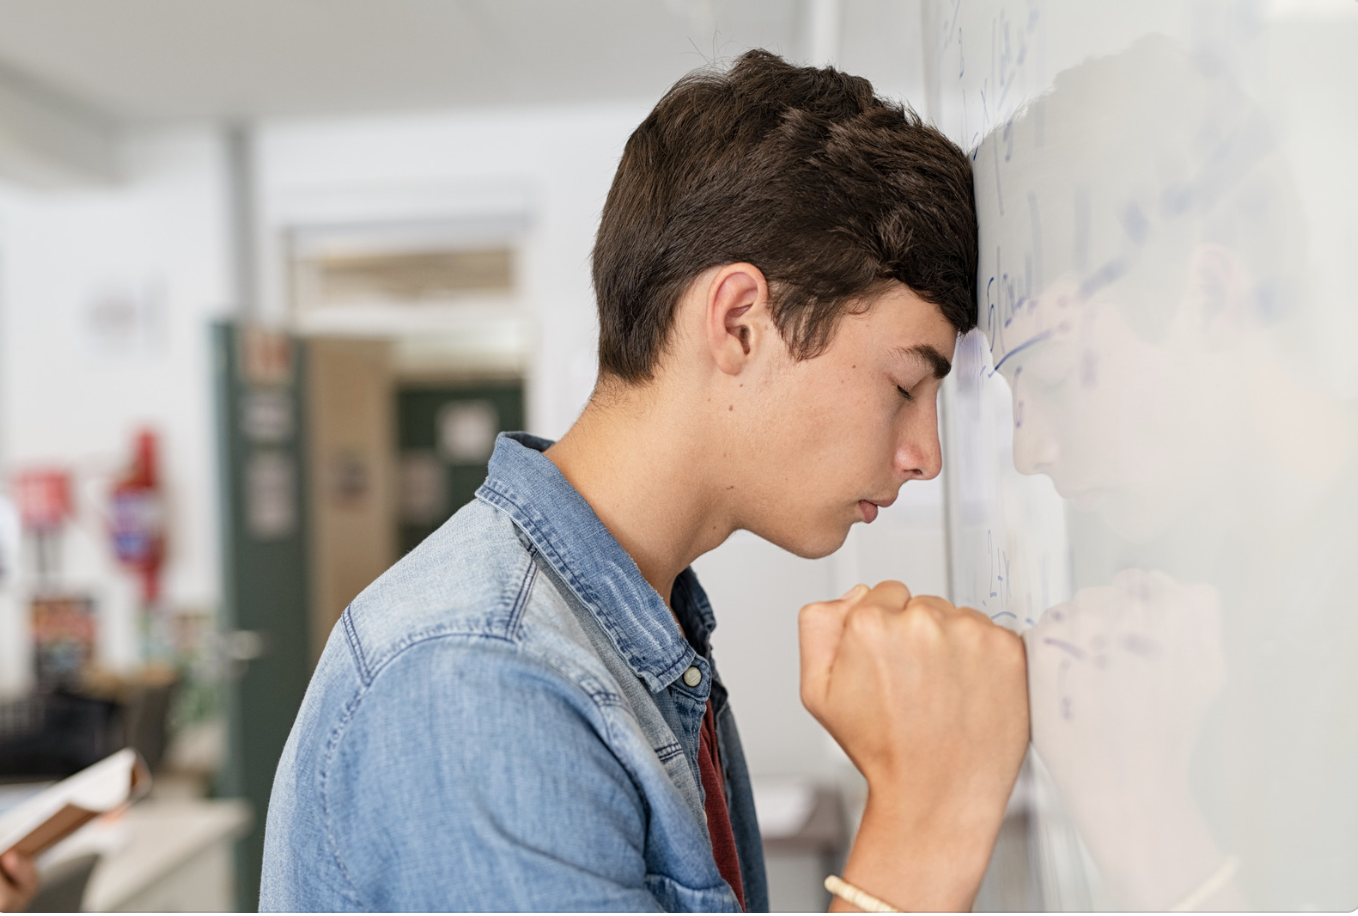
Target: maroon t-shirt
x=718, y=818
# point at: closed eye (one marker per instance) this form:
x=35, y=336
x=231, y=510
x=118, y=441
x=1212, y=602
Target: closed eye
x=905, y=394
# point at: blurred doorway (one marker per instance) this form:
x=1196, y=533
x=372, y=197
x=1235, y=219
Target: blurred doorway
x=394, y=451
x=446, y=433
x=350, y=425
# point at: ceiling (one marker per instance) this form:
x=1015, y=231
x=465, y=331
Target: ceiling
x=152, y=60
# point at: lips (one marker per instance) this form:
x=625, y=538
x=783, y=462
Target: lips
x=869, y=508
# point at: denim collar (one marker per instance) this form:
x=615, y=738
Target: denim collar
x=563, y=528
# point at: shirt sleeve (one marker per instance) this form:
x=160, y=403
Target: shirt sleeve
x=469, y=777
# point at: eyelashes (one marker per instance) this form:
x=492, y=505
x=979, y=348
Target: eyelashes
x=905, y=394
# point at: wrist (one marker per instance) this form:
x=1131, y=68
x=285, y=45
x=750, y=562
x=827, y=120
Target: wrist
x=917, y=855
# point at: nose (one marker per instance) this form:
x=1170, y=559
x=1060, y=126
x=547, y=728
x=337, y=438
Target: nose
x=918, y=453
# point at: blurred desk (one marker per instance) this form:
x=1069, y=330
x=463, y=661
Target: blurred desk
x=178, y=857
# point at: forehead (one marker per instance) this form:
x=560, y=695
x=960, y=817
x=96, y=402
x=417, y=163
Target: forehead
x=900, y=322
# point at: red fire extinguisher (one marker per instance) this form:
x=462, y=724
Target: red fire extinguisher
x=138, y=517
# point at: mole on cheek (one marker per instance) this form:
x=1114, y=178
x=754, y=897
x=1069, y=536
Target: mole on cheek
x=732, y=407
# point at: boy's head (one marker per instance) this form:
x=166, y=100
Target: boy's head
x=832, y=192
x=790, y=259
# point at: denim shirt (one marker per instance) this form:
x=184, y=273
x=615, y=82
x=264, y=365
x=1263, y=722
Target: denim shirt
x=502, y=722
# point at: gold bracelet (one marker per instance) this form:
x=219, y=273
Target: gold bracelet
x=859, y=898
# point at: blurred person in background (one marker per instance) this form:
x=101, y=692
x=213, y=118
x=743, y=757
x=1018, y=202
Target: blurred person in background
x=524, y=713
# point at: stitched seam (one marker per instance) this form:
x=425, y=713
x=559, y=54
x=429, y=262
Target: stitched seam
x=351, y=637
x=516, y=610
x=332, y=745
x=419, y=636
x=669, y=751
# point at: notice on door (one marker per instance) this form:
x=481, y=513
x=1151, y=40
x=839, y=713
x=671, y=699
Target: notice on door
x=270, y=496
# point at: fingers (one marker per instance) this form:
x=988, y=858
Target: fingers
x=18, y=881
x=21, y=871
x=819, y=628
x=890, y=594
x=821, y=625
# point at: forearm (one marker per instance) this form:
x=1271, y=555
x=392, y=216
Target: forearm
x=919, y=860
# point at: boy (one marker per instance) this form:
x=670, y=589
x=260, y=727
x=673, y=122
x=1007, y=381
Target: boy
x=523, y=713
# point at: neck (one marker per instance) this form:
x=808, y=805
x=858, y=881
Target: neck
x=643, y=466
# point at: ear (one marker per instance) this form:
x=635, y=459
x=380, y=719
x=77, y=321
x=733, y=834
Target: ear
x=736, y=316
x=1218, y=298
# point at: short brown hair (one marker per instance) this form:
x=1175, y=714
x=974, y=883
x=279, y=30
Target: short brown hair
x=801, y=171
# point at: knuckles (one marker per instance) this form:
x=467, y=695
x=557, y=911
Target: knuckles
x=866, y=621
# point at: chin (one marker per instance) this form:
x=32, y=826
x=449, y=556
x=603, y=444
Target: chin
x=810, y=544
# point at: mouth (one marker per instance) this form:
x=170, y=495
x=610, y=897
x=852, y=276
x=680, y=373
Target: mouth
x=870, y=507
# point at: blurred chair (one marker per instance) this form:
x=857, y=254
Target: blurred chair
x=51, y=736
x=63, y=886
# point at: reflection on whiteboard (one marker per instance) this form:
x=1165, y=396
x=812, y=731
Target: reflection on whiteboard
x=1151, y=461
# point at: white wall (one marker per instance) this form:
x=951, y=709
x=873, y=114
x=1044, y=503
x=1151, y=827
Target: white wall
x=72, y=397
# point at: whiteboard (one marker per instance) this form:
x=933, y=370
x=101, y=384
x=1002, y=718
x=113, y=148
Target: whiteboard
x=1151, y=439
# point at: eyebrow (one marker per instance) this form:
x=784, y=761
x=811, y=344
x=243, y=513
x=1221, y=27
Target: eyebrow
x=926, y=353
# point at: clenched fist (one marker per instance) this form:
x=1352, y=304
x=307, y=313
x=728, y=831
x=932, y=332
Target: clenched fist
x=930, y=702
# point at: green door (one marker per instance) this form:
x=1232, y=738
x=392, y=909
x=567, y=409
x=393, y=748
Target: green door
x=262, y=466
x=445, y=437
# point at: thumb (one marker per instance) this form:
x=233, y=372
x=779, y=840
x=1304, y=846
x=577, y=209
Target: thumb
x=820, y=627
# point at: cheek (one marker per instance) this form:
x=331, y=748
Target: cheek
x=833, y=432
x=816, y=408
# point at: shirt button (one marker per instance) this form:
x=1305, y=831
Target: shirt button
x=693, y=677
